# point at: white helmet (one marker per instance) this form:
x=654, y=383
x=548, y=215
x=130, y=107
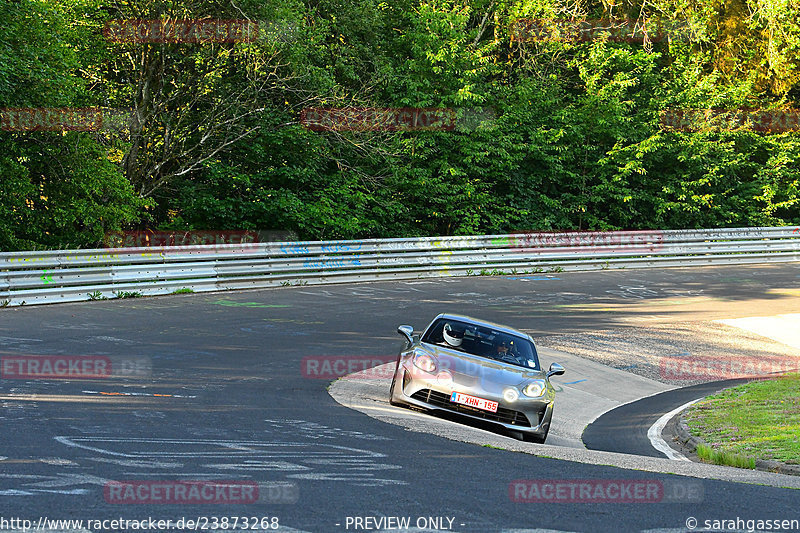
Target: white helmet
x=451, y=336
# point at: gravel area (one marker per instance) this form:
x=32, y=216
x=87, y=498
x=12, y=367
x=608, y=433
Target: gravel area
x=680, y=353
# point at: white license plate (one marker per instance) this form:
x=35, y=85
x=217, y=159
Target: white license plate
x=474, y=401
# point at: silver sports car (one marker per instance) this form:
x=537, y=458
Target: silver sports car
x=478, y=369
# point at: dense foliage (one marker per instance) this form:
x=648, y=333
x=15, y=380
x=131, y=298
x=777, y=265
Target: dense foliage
x=552, y=134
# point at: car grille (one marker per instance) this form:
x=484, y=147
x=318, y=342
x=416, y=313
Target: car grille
x=503, y=415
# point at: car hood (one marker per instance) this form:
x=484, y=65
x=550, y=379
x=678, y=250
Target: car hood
x=471, y=370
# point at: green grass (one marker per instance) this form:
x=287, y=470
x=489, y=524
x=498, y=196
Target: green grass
x=183, y=291
x=127, y=294
x=759, y=420
x=710, y=455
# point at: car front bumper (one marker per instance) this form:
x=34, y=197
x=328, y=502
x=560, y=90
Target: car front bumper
x=529, y=416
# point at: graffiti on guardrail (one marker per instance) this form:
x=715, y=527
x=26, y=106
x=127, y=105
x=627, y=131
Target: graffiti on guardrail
x=297, y=248
x=294, y=248
x=454, y=242
x=334, y=247
x=442, y=242
x=724, y=234
x=331, y=263
x=76, y=257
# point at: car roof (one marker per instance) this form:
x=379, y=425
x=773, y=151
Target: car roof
x=477, y=322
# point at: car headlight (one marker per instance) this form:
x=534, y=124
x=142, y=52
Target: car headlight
x=425, y=362
x=534, y=389
x=510, y=395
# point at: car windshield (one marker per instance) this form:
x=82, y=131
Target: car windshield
x=482, y=341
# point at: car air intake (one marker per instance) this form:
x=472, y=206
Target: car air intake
x=503, y=415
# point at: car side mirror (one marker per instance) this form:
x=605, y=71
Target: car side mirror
x=407, y=332
x=555, y=370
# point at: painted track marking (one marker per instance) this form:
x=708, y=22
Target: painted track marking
x=654, y=433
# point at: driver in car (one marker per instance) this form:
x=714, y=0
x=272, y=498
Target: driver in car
x=502, y=349
x=504, y=353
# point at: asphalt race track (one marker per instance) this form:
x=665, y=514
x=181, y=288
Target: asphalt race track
x=624, y=429
x=217, y=392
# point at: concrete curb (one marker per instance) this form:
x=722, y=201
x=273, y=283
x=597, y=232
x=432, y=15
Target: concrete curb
x=370, y=397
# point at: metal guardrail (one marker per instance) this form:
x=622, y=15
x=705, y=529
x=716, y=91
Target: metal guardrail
x=69, y=276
